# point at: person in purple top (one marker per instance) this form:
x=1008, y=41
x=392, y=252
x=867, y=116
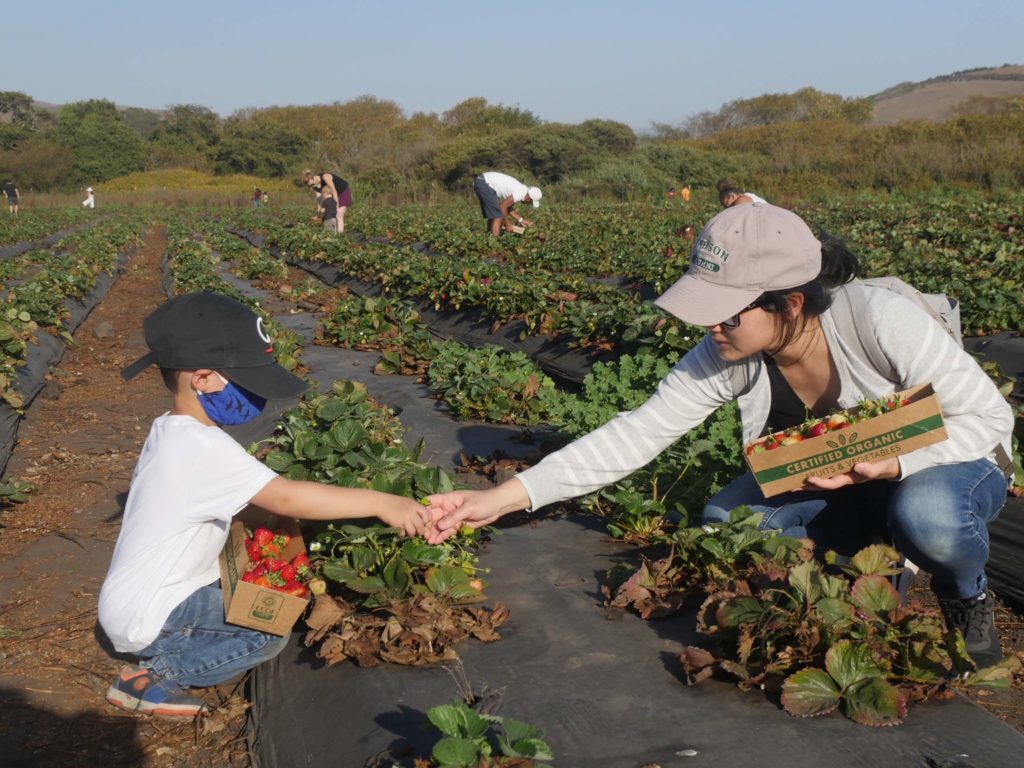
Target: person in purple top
x=340, y=191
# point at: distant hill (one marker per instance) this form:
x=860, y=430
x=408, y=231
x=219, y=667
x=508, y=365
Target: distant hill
x=937, y=99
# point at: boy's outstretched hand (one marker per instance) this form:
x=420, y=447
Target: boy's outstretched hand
x=406, y=514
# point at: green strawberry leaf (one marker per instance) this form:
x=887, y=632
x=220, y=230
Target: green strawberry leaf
x=874, y=594
x=876, y=703
x=878, y=559
x=737, y=611
x=279, y=461
x=455, y=753
x=809, y=693
x=849, y=664
x=445, y=578
x=996, y=676
x=803, y=577
x=457, y=720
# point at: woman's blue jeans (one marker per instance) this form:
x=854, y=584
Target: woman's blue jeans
x=938, y=518
x=196, y=648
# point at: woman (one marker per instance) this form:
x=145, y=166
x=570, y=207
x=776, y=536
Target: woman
x=341, y=192
x=762, y=284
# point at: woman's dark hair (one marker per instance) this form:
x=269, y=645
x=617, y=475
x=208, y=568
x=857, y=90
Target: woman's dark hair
x=839, y=265
x=724, y=193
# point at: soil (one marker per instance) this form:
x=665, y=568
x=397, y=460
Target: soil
x=78, y=445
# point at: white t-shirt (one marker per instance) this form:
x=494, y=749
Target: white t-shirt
x=755, y=198
x=190, y=481
x=506, y=186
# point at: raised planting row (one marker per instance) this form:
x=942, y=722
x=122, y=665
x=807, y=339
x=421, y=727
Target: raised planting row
x=544, y=304
x=33, y=225
x=967, y=249
x=40, y=283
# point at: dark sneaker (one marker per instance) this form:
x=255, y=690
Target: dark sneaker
x=138, y=689
x=975, y=617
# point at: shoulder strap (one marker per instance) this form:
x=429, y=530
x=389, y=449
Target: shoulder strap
x=849, y=312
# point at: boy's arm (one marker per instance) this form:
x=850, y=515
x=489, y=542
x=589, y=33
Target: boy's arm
x=317, y=501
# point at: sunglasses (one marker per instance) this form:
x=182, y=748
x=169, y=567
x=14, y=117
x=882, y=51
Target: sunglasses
x=734, y=321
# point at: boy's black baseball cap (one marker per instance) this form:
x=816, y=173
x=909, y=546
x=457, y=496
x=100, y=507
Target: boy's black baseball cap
x=208, y=330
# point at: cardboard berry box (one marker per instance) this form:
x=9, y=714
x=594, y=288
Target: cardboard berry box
x=785, y=466
x=249, y=605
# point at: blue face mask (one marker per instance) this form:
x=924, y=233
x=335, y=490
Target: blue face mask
x=232, y=405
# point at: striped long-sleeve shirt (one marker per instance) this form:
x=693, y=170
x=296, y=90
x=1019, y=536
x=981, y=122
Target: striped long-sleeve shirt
x=977, y=417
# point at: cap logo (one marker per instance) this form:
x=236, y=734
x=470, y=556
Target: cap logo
x=259, y=329
x=707, y=245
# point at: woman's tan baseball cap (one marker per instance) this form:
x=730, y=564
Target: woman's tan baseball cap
x=741, y=253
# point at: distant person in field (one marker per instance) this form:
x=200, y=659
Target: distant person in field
x=13, y=197
x=328, y=210
x=341, y=192
x=730, y=194
x=257, y=197
x=266, y=198
x=498, y=194
x=90, y=199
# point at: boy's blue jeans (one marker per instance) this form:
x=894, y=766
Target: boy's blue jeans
x=937, y=517
x=196, y=648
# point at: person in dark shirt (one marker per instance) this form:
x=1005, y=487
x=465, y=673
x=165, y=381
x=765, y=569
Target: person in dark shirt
x=257, y=197
x=13, y=197
x=328, y=211
x=340, y=190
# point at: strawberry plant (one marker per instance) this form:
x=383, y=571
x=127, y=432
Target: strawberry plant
x=474, y=740
x=875, y=653
x=390, y=325
x=377, y=566
x=490, y=384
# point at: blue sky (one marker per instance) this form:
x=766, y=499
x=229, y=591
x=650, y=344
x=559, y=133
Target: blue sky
x=564, y=60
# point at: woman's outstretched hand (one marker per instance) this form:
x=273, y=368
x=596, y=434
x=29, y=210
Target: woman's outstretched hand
x=449, y=511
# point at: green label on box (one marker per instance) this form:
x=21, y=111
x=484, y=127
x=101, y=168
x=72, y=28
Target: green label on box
x=844, y=444
x=266, y=606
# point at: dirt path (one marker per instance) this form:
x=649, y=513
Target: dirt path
x=78, y=444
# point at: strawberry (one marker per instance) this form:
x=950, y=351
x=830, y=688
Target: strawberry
x=275, y=565
x=294, y=588
x=259, y=570
x=287, y=572
x=254, y=552
x=817, y=429
x=262, y=536
x=250, y=576
x=791, y=439
x=317, y=586
x=838, y=421
x=271, y=550
x=303, y=568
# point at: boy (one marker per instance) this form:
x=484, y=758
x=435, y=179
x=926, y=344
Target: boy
x=328, y=210
x=161, y=600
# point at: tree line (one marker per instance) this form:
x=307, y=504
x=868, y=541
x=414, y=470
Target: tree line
x=802, y=143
